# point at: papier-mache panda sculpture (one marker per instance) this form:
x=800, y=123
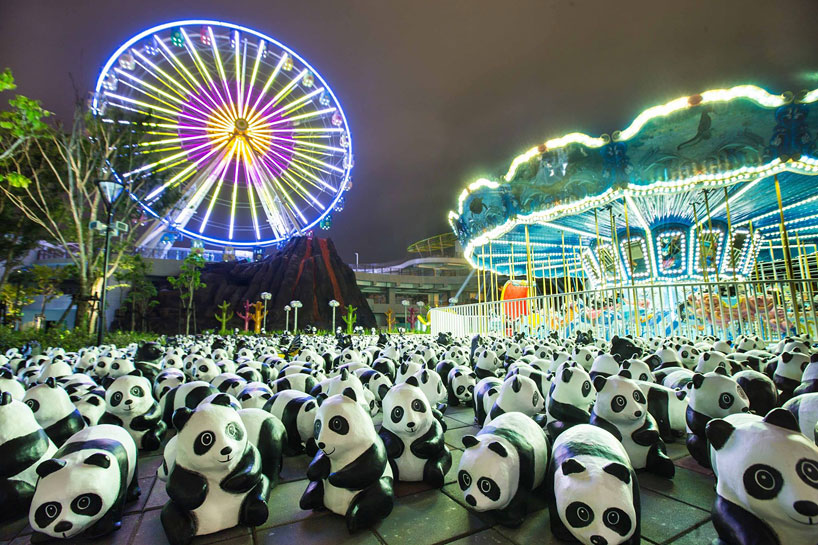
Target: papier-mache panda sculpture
x=131, y=405
x=805, y=410
x=84, y=487
x=593, y=490
x=350, y=475
x=23, y=445
x=54, y=411
x=217, y=480
x=711, y=395
x=809, y=380
x=760, y=390
x=622, y=409
x=486, y=363
x=188, y=395
x=787, y=370
x=501, y=465
x=668, y=407
x=520, y=394
x=485, y=393
x=11, y=384
x=296, y=410
x=767, y=487
x=570, y=399
x=413, y=437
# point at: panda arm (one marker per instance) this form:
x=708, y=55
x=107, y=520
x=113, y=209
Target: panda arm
x=319, y=468
x=734, y=524
x=146, y=421
x=108, y=418
x=186, y=488
x=430, y=443
x=600, y=422
x=393, y=443
x=246, y=473
x=647, y=435
x=363, y=471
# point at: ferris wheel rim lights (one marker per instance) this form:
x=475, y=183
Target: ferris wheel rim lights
x=308, y=69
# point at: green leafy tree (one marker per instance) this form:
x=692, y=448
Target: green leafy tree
x=134, y=272
x=47, y=282
x=17, y=293
x=187, y=283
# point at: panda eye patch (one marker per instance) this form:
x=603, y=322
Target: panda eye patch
x=586, y=388
x=464, y=480
x=116, y=398
x=397, y=414
x=726, y=400
x=46, y=513
x=808, y=471
x=232, y=430
x=33, y=404
x=460, y=390
x=489, y=488
x=136, y=391
x=203, y=442
x=618, y=403
x=417, y=406
x=87, y=505
x=339, y=425
x=763, y=482
x=617, y=520
x=579, y=515
x=638, y=397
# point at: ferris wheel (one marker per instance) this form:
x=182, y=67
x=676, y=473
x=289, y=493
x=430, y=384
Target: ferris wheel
x=247, y=134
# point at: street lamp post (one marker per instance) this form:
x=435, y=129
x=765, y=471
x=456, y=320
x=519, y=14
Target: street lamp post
x=334, y=304
x=287, y=309
x=296, y=305
x=111, y=191
x=265, y=296
x=405, y=304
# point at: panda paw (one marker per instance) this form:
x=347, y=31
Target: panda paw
x=313, y=497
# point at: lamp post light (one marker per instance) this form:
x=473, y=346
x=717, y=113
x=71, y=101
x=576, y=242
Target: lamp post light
x=334, y=304
x=265, y=296
x=111, y=191
x=296, y=305
x=405, y=304
x=287, y=309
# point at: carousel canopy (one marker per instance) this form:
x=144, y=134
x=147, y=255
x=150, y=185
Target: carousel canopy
x=655, y=199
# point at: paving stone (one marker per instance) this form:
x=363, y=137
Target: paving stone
x=427, y=518
x=664, y=518
x=453, y=423
x=283, y=505
x=677, y=450
x=237, y=535
x=119, y=537
x=703, y=534
x=687, y=486
x=295, y=468
x=147, y=466
x=11, y=529
x=146, y=485
x=486, y=537
x=329, y=530
x=464, y=416
x=158, y=496
x=688, y=462
x=454, y=438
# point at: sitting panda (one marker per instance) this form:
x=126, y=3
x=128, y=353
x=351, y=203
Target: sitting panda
x=296, y=410
x=131, y=405
x=805, y=410
x=413, y=437
x=622, y=409
x=166, y=381
x=23, y=446
x=350, y=475
x=570, y=399
x=787, y=371
x=486, y=363
x=11, y=384
x=668, y=407
x=189, y=395
x=299, y=381
x=764, y=495
x=760, y=390
x=217, y=480
x=254, y=395
x=593, y=490
x=809, y=380
x=520, y=394
x=501, y=465
x=84, y=487
x=460, y=383
x=485, y=393
x=54, y=411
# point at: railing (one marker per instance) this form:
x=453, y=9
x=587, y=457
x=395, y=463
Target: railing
x=770, y=309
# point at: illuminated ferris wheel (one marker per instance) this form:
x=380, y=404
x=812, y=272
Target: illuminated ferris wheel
x=247, y=134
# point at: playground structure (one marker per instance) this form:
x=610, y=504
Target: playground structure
x=698, y=218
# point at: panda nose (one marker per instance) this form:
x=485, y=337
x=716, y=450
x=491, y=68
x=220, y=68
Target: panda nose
x=128, y=401
x=806, y=508
x=470, y=500
x=745, y=409
x=599, y=540
x=225, y=451
x=63, y=526
x=321, y=445
x=410, y=424
x=637, y=414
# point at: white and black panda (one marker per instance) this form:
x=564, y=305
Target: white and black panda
x=501, y=465
x=23, y=446
x=11, y=384
x=166, y=381
x=637, y=370
x=709, y=396
x=413, y=437
x=460, y=384
x=570, y=398
x=301, y=382
x=91, y=406
x=229, y=383
x=485, y=393
x=54, y=411
x=189, y=395
x=374, y=381
x=407, y=369
x=764, y=495
x=336, y=385
x=56, y=369
x=668, y=406
x=254, y=395
x=605, y=365
x=432, y=386
x=805, y=410
x=594, y=493
x=296, y=410
x=622, y=409
x=386, y=366
x=350, y=475
x=809, y=380
x=217, y=480
x=786, y=371
x=131, y=405
x=486, y=363
x=760, y=390
x=84, y=487
x=518, y=394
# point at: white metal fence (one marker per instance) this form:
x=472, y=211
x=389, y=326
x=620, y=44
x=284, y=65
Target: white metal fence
x=770, y=309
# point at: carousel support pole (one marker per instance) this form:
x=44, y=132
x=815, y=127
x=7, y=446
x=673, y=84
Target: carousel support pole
x=730, y=234
x=787, y=258
x=550, y=306
x=716, y=262
x=493, y=276
x=615, y=258
x=565, y=285
x=705, y=275
x=710, y=226
x=528, y=273
x=511, y=271
x=778, y=295
x=598, y=244
x=635, y=310
x=806, y=283
x=754, y=255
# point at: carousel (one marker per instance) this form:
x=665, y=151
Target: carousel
x=699, y=217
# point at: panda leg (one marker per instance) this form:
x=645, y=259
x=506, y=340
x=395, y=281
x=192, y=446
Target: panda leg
x=513, y=515
x=311, y=447
x=434, y=471
x=254, y=506
x=112, y=520
x=737, y=526
x=152, y=440
x=658, y=462
x=179, y=526
x=313, y=497
x=133, y=492
x=370, y=505
x=698, y=449
x=15, y=499
x=557, y=527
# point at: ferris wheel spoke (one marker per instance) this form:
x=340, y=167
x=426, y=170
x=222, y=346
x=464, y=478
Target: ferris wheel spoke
x=160, y=75
x=270, y=80
x=178, y=66
x=291, y=106
x=303, y=142
x=281, y=191
x=148, y=86
x=259, y=54
x=283, y=93
x=178, y=176
x=220, y=67
x=285, y=159
x=239, y=73
x=194, y=193
x=218, y=190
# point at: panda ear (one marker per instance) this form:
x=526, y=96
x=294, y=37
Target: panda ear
x=786, y=357
x=135, y=373
x=222, y=400
x=619, y=471
x=516, y=385
x=49, y=466
x=319, y=399
x=98, y=459
x=51, y=382
x=599, y=382
x=718, y=432
x=499, y=449
x=624, y=373
x=720, y=370
x=566, y=374
x=783, y=419
x=469, y=441
x=571, y=466
x=680, y=394
x=5, y=398
x=698, y=380
x=350, y=393
x=413, y=380
x=180, y=417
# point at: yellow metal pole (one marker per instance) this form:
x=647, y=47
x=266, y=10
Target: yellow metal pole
x=635, y=310
x=710, y=226
x=787, y=259
x=564, y=266
x=730, y=234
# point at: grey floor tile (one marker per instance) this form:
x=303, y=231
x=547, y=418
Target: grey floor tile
x=427, y=518
x=677, y=449
x=486, y=537
x=703, y=535
x=12, y=528
x=454, y=438
x=295, y=468
x=145, y=485
x=283, y=504
x=687, y=486
x=147, y=466
x=122, y=536
x=664, y=518
x=453, y=423
x=158, y=496
x=329, y=530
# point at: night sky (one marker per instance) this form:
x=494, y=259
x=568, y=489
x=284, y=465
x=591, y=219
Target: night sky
x=440, y=92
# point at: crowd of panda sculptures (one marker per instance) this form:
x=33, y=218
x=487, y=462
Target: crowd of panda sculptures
x=574, y=421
